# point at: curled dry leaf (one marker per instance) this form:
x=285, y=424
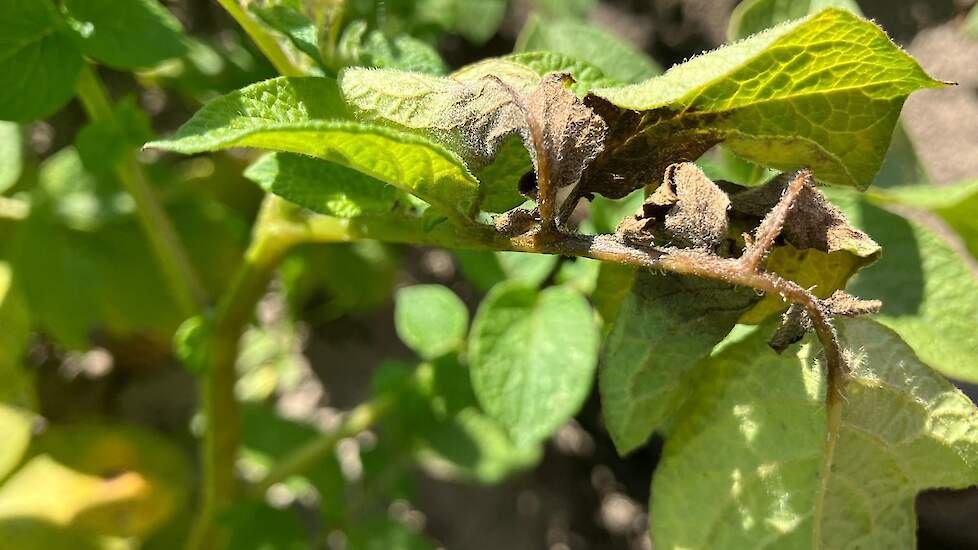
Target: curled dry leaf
x=795, y=322
x=688, y=210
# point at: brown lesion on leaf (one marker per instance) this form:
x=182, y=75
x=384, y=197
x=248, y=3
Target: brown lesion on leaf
x=796, y=322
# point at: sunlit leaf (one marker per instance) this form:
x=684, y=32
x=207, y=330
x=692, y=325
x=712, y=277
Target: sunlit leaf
x=126, y=33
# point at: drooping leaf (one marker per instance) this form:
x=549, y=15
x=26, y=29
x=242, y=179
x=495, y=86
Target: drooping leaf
x=11, y=154
x=289, y=115
x=589, y=43
x=744, y=463
x=666, y=325
x=823, y=92
x=324, y=187
x=929, y=295
x=126, y=34
x=116, y=481
x=430, y=319
x=532, y=356
x=39, y=62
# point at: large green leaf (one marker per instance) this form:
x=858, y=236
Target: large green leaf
x=289, y=115
x=532, y=357
x=745, y=463
x=39, y=62
x=126, y=33
x=666, y=325
x=823, y=92
x=589, y=43
x=929, y=295
x=430, y=319
x=323, y=187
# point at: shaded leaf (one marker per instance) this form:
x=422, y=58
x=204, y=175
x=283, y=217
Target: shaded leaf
x=588, y=43
x=257, y=526
x=103, y=144
x=430, y=319
x=823, y=92
x=744, y=461
x=39, y=61
x=284, y=114
x=126, y=34
x=322, y=186
x=532, y=357
x=486, y=269
x=666, y=325
x=295, y=25
x=16, y=384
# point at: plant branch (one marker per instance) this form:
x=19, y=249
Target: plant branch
x=267, y=43
x=773, y=223
x=181, y=278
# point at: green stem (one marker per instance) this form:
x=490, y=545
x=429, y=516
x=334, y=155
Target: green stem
x=220, y=405
x=179, y=274
x=267, y=43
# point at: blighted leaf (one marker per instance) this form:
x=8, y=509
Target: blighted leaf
x=39, y=62
x=324, y=187
x=666, y=325
x=686, y=210
x=11, y=154
x=588, y=43
x=745, y=460
x=823, y=92
x=822, y=248
x=117, y=481
x=285, y=114
x=532, y=356
x=126, y=34
x=929, y=295
x=430, y=319
x=796, y=322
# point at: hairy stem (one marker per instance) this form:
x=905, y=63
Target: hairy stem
x=178, y=272
x=773, y=223
x=220, y=405
x=267, y=43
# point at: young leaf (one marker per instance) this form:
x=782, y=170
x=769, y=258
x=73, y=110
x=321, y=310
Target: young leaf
x=39, y=62
x=323, y=187
x=286, y=114
x=430, y=319
x=823, y=92
x=666, y=325
x=588, y=43
x=532, y=357
x=126, y=34
x=929, y=295
x=745, y=462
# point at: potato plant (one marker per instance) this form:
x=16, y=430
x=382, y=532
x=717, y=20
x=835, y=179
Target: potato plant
x=714, y=249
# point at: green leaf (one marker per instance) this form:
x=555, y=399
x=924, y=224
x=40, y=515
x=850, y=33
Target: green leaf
x=929, y=295
x=588, y=43
x=295, y=25
x=485, y=269
x=586, y=75
x=666, y=325
x=357, y=46
x=323, y=187
x=499, y=181
x=286, y=114
x=753, y=16
x=566, y=8
x=17, y=426
x=126, y=34
x=11, y=154
x=955, y=204
x=258, y=526
x=103, y=144
x=386, y=534
x=39, y=61
x=16, y=384
x=823, y=92
x=478, y=20
x=971, y=23
x=743, y=465
x=430, y=319
x=532, y=357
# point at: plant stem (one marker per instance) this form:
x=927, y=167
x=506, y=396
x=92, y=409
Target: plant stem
x=267, y=43
x=220, y=405
x=180, y=277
